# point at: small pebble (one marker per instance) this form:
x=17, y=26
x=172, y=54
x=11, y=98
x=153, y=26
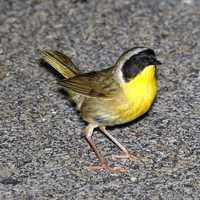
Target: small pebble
x=133, y=179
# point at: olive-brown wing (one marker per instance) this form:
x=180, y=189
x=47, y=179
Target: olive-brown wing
x=94, y=84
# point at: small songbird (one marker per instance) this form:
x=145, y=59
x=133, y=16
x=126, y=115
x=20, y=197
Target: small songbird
x=109, y=97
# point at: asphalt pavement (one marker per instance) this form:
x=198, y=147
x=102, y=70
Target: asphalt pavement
x=43, y=154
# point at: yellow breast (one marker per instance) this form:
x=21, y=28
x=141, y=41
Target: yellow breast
x=140, y=93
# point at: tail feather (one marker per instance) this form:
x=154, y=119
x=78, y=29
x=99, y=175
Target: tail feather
x=65, y=67
x=61, y=63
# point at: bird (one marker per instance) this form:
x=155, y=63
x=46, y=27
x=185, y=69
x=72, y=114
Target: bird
x=112, y=96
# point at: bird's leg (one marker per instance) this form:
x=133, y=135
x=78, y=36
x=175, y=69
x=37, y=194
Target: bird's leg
x=125, y=154
x=88, y=134
x=103, y=162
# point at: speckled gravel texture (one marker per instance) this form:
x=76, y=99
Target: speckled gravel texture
x=43, y=154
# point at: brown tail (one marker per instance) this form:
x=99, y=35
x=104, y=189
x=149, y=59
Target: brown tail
x=61, y=63
x=64, y=66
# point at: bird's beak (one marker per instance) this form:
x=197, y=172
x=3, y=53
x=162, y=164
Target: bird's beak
x=156, y=62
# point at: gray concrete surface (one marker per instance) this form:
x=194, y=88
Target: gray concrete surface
x=42, y=152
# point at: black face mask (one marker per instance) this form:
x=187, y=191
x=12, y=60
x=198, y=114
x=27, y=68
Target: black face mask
x=137, y=63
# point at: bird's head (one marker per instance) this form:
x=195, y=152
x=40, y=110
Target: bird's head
x=135, y=61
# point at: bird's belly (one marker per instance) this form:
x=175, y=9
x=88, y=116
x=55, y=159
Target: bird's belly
x=135, y=110
x=138, y=103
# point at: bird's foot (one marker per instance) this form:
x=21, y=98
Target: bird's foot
x=106, y=167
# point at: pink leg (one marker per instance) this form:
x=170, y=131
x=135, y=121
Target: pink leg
x=103, y=162
x=125, y=154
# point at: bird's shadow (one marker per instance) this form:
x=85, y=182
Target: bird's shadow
x=58, y=76
x=50, y=69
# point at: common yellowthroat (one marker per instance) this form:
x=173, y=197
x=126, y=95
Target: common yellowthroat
x=112, y=96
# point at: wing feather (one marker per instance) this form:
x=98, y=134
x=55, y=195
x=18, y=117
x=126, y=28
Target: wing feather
x=94, y=84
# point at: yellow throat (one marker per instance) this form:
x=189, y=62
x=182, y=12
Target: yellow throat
x=140, y=93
